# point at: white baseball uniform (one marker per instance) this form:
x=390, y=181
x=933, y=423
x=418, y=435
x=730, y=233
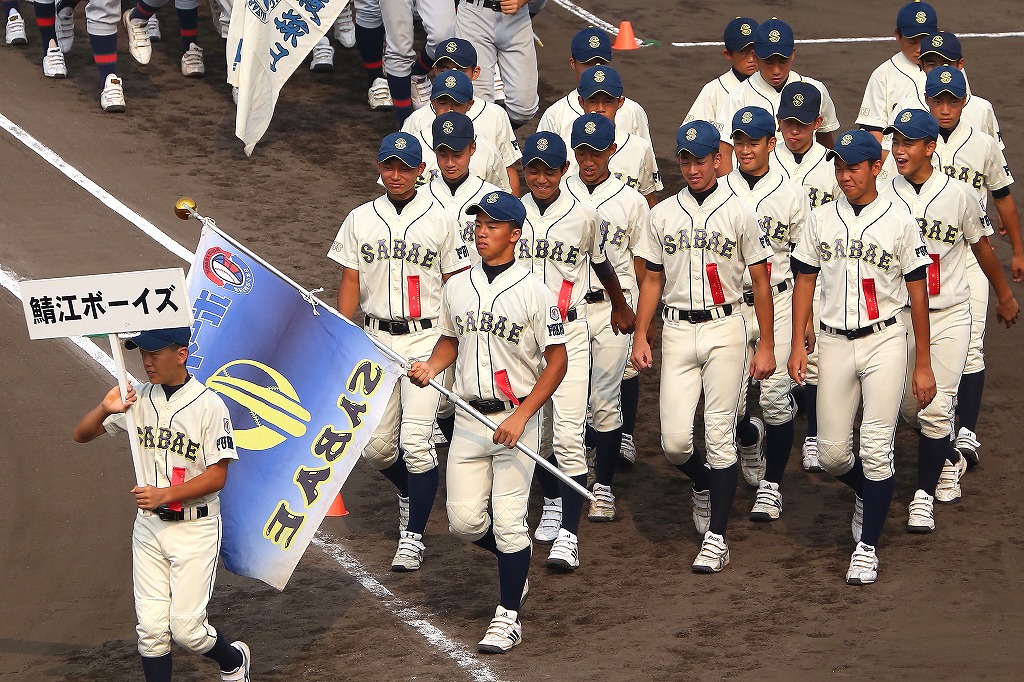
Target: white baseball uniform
x=756, y=92
x=174, y=563
x=559, y=117
x=486, y=162
x=470, y=192
x=895, y=80
x=977, y=113
x=490, y=122
x=633, y=162
x=713, y=98
x=438, y=18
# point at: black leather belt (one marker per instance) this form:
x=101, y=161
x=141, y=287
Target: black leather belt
x=748, y=296
x=697, y=316
x=492, y=406
x=852, y=334
x=486, y=4
x=594, y=296
x=397, y=327
x=166, y=514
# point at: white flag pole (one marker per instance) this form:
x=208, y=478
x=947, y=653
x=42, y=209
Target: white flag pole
x=133, y=432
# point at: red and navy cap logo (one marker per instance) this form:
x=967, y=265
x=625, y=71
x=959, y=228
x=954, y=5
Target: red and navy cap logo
x=227, y=270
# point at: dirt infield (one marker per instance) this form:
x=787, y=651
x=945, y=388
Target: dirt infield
x=947, y=605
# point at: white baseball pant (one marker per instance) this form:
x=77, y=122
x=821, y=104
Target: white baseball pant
x=438, y=17
x=609, y=357
x=979, y=313
x=777, y=406
x=564, y=418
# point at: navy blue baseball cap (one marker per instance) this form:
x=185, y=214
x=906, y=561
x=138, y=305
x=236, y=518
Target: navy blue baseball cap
x=944, y=44
x=546, y=146
x=754, y=122
x=591, y=43
x=800, y=101
x=914, y=124
x=500, y=206
x=600, y=79
x=855, y=146
x=739, y=34
x=773, y=37
x=700, y=138
x=454, y=84
x=594, y=131
x=402, y=146
x=158, y=339
x=945, y=79
x=457, y=50
x=452, y=130
x=917, y=19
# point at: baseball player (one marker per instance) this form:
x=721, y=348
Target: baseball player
x=503, y=330
x=783, y=213
x=592, y=47
x=369, y=37
x=560, y=243
x=697, y=246
x=136, y=21
x=775, y=50
x=623, y=211
x=186, y=446
x=739, y=52
x=490, y=121
x=406, y=71
x=396, y=252
x=870, y=254
x=950, y=217
x=14, y=24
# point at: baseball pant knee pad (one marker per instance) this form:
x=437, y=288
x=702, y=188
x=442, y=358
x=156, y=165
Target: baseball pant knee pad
x=975, y=356
x=153, y=629
x=192, y=633
x=835, y=458
x=511, y=534
x=381, y=452
x=937, y=418
x=466, y=521
x=720, y=434
x=875, y=453
x=777, y=404
x=678, y=447
x=419, y=453
x=607, y=417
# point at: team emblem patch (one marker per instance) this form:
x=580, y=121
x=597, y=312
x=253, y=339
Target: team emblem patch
x=448, y=128
x=691, y=134
x=905, y=118
x=798, y=99
x=492, y=198
x=747, y=117
x=542, y=144
x=846, y=141
x=937, y=41
x=450, y=82
x=590, y=128
x=555, y=314
x=594, y=42
x=774, y=36
x=227, y=271
x=400, y=143
x=745, y=29
x=599, y=77
x=451, y=47
x=920, y=17
x=946, y=77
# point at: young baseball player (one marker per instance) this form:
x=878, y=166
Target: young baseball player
x=186, y=446
x=406, y=71
x=490, y=121
x=502, y=328
x=950, y=217
x=623, y=211
x=560, y=243
x=697, y=246
x=775, y=49
x=739, y=52
x=369, y=37
x=870, y=254
x=136, y=21
x=783, y=213
x=591, y=47
x=396, y=252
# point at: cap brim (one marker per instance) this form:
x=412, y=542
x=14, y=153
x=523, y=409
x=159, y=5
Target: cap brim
x=739, y=48
x=944, y=55
x=593, y=58
x=450, y=96
x=453, y=61
x=502, y=217
x=592, y=144
x=698, y=152
x=766, y=55
x=797, y=116
x=454, y=144
x=528, y=160
x=597, y=90
x=832, y=154
x=958, y=95
x=148, y=342
x=394, y=155
x=752, y=134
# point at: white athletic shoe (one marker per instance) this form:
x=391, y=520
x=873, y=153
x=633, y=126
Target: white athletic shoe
x=112, y=96
x=550, y=521
x=345, y=28
x=15, y=30
x=967, y=443
x=53, y=62
x=713, y=555
x=701, y=510
x=192, y=62
x=153, y=30
x=752, y=461
x=627, y=451
x=403, y=513
x=421, y=88
x=810, y=459
x=948, y=490
x=857, y=525
x=565, y=552
x=604, y=508
x=138, y=37
x=409, y=556
x=322, y=60
x=768, y=503
x=438, y=437
x=591, y=467
x=863, y=566
x=241, y=673
x=504, y=632
x=379, y=95
x=922, y=513
x=234, y=94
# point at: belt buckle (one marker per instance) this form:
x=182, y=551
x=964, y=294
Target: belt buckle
x=691, y=318
x=748, y=297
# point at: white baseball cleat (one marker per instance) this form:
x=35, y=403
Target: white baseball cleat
x=138, y=37
x=379, y=95
x=192, y=62
x=409, y=556
x=550, y=521
x=403, y=513
x=565, y=552
x=701, y=510
x=863, y=566
x=504, y=632
x=922, y=513
x=768, y=503
x=322, y=60
x=53, y=62
x=810, y=456
x=153, y=30
x=112, y=96
x=948, y=490
x=526, y=593
x=752, y=461
x=713, y=555
x=241, y=673
x=603, y=509
x=421, y=88
x=627, y=451
x=591, y=467
x=64, y=26
x=14, y=33
x=345, y=28
x=857, y=525
x=967, y=443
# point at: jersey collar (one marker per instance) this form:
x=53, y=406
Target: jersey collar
x=512, y=274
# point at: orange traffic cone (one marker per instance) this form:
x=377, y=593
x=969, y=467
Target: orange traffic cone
x=625, y=40
x=338, y=507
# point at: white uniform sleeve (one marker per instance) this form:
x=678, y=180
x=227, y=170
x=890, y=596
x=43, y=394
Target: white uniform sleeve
x=506, y=138
x=444, y=320
x=547, y=319
x=807, y=248
x=725, y=114
x=649, y=245
x=754, y=246
x=345, y=248
x=218, y=440
x=641, y=124
x=829, y=119
x=454, y=252
x=650, y=178
x=913, y=253
x=593, y=241
x=637, y=222
x=548, y=124
x=703, y=108
x=873, y=109
x=974, y=222
x=497, y=173
x=115, y=424
x=997, y=171
x=802, y=219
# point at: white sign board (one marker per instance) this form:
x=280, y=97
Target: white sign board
x=106, y=304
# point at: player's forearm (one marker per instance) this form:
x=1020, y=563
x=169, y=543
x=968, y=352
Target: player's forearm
x=90, y=426
x=922, y=326
x=556, y=361
x=764, y=307
x=725, y=149
x=652, y=199
x=1006, y=207
x=446, y=350
x=992, y=268
x=825, y=139
x=650, y=292
x=513, y=180
x=606, y=273
x=348, y=293
x=210, y=481
x=803, y=296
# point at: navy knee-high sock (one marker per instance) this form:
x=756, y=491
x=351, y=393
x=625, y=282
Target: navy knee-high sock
x=104, y=53
x=778, y=445
x=512, y=570
x=143, y=11
x=630, y=401
x=931, y=455
x=696, y=470
x=722, y=483
x=401, y=96
x=968, y=399
x=855, y=477
x=227, y=656
x=422, y=491
x=608, y=446
x=590, y=436
x=45, y=19
x=447, y=426
x=398, y=474
x=548, y=482
x=188, y=22
x=746, y=434
x=424, y=63
x=8, y=6
x=157, y=669
x=488, y=541
x=572, y=505
x=370, y=42
x=811, y=407
x=877, y=498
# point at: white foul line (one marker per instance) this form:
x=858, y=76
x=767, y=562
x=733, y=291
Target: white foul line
x=400, y=609
x=597, y=21
x=872, y=39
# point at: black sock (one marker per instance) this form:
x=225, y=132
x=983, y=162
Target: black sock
x=399, y=475
x=723, y=490
x=855, y=477
x=630, y=401
x=7, y=6
x=590, y=436
x=968, y=399
x=423, y=64
x=401, y=96
x=488, y=542
x=608, y=446
x=811, y=406
x=572, y=504
x=447, y=426
x=877, y=498
x=422, y=491
x=45, y=17
x=548, y=481
x=746, y=434
x=778, y=445
x=931, y=455
x=696, y=471
x=157, y=669
x=227, y=656
x=370, y=42
x=512, y=570
x=188, y=26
